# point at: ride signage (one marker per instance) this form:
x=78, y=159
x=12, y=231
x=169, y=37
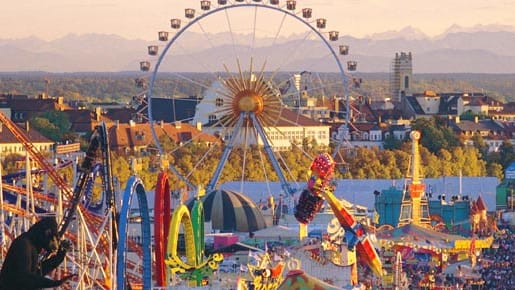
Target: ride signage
x=67, y=148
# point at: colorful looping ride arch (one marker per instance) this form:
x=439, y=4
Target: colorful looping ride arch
x=134, y=186
x=162, y=216
x=166, y=232
x=196, y=264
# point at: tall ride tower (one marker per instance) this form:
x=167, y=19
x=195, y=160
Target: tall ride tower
x=415, y=209
x=401, y=74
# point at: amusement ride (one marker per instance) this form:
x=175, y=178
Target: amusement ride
x=248, y=96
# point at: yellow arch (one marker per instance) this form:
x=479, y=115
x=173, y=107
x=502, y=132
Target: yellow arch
x=181, y=216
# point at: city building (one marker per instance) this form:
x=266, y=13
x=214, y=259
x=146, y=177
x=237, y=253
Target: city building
x=134, y=138
x=492, y=131
x=9, y=144
x=23, y=107
x=401, y=75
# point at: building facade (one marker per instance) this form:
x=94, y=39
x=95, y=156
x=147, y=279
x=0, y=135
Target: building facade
x=401, y=75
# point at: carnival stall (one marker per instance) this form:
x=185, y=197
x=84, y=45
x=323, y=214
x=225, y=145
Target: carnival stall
x=420, y=245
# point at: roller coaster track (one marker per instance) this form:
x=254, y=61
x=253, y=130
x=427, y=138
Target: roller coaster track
x=72, y=197
x=38, y=195
x=98, y=240
x=12, y=176
x=36, y=155
x=97, y=141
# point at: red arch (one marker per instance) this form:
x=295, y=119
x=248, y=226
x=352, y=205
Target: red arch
x=162, y=214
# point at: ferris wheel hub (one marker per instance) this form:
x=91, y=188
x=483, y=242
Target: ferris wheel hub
x=249, y=101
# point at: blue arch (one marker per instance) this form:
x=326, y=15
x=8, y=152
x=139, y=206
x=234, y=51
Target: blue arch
x=134, y=185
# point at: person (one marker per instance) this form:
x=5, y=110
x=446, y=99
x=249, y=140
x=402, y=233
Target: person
x=22, y=268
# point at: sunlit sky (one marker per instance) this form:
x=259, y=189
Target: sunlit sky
x=52, y=19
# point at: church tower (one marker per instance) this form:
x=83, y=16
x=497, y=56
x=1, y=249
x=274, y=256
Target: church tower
x=401, y=75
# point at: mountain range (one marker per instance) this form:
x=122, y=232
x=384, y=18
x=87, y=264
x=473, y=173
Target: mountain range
x=479, y=49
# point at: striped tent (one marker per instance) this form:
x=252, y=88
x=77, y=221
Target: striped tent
x=231, y=211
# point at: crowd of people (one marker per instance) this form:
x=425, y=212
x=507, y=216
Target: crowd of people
x=493, y=270
x=498, y=262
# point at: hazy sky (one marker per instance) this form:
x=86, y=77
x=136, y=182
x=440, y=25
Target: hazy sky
x=51, y=19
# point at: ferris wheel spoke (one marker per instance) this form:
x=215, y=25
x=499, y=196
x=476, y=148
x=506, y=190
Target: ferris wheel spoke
x=244, y=81
x=199, y=162
x=265, y=175
x=193, y=139
x=292, y=57
x=231, y=33
x=206, y=35
x=253, y=40
x=198, y=61
x=197, y=83
x=279, y=29
x=287, y=168
x=313, y=89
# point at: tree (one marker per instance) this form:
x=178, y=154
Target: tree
x=507, y=155
x=435, y=134
x=391, y=143
x=480, y=144
x=121, y=168
x=430, y=165
x=445, y=160
x=495, y=169
x=54, y=125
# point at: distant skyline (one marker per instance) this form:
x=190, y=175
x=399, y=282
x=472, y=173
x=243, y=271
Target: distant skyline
x=53, y=19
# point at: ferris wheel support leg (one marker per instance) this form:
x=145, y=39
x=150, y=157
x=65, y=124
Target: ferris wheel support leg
x=268, y=149
x=227, y=150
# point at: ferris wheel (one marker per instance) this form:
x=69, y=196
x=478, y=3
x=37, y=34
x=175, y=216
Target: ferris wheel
x=264, y=73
